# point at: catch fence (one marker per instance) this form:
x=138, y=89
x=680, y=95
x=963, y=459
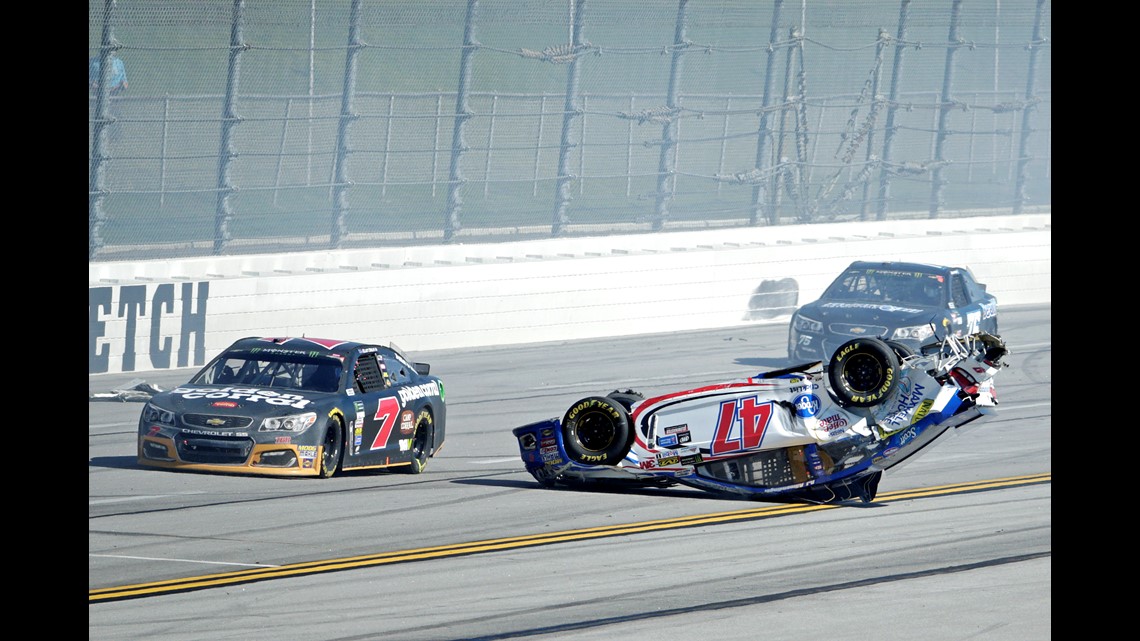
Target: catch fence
x=299, y=125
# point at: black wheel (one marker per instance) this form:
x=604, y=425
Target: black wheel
x=626, y=398
x=900, y=350
x=331, y=449
x=596, y=431
x=863, y=372
x=421, y=443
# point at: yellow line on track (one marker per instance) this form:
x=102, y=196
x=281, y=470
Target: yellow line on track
x=493, y=545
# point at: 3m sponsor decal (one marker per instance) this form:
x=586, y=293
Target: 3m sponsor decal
x=423, y=390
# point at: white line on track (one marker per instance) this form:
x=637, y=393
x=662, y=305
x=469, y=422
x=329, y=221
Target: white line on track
x=151, y=558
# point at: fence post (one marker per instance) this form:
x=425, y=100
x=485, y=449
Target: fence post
x=893, y=102
x=224, y=213
x=942, y=131
x=455, y=181
x=339, y=227
x=762, y=133
x=1027, y=112
x=667, y=161
x=96, y=216
x=570, y=111
x=870, y=151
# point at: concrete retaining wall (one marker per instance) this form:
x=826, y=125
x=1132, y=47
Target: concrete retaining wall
x=165, y=314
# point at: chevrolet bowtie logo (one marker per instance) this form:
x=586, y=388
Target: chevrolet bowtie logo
x=857, y=330
x=214, y=422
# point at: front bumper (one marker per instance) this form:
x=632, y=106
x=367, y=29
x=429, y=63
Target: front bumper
x=229, y=455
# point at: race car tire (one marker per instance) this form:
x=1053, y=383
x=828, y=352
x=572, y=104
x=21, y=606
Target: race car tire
x=596, y=431
x=626, y=398
x=421, y=443
x=863, y=372
x=901, y=350
x=331, y=449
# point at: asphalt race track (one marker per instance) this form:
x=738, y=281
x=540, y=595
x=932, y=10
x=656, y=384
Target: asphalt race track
x=956, y=546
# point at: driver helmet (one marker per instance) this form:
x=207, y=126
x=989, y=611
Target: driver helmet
x=932, y=292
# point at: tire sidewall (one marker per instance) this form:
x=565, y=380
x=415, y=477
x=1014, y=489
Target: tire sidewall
x=326, y=471
x=593, y=413
x=864, y=352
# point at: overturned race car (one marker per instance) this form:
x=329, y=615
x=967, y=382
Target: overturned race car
x=809, y=433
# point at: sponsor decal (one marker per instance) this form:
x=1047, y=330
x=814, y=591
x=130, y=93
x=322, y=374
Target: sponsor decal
x=669, y=460
x=807, y=405
x=908, y=399
x=647, y=464
x=833, y=423
x=405, y=444
x=248, y=394
x=407, y=422
x=922, y=411
x=804, y=388
x=546, y=431
x=882, y=308
x=307, y=463
x=667, y=440
x=212, y=433
x=682, y=433
x=307, y=451
x=419, y=391
x=283, y=440
x=230, y=404
x=551, y=458
x=547, y=451
x=907, y=436
x=692, y=459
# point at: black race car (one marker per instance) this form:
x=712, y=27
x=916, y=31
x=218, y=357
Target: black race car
x=297, y=407
x=893, y=301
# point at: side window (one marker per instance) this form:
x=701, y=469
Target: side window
x=958, y=290
x=398, y=371
x=369, y=376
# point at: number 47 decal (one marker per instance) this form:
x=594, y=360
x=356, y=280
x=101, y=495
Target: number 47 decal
x=386, y=415
x=741, y=425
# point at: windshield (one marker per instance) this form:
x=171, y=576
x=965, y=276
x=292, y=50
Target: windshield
x=273, y=370
x=886, y=286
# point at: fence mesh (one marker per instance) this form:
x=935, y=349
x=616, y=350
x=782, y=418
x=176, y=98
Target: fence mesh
x=257, y=125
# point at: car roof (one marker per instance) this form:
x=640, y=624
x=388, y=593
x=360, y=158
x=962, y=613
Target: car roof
x=301, y=344
x=902, y=266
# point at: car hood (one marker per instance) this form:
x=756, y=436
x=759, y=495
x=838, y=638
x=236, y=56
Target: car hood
x=228, y=399
x=880, y=313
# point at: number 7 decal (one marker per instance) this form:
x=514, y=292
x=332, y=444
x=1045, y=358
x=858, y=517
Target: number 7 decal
x=385, y=415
